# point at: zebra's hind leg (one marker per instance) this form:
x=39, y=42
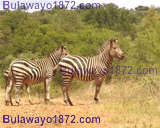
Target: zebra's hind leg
x=8, y=93
x=65, y=87
x=47, y=85
x=17, y=88
x=29, y=96
x=98, y=86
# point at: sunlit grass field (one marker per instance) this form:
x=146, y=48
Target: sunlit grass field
x=124, y=103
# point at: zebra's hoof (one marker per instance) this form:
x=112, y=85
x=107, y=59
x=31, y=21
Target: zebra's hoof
x=71, y=104
x=65, y=101
x=17, y=102
x=31, y=103
x=96, y=100
x=46, y=101
x=7, y=103
x=68, y=102
x=11, y=103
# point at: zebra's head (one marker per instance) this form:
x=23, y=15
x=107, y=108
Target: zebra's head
x=63, y=51
x=59, y=53
x=114, y=49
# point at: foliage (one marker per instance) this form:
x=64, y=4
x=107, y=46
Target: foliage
x=31, y=35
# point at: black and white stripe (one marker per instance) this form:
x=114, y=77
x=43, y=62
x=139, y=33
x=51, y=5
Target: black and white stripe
x=6, y=76
x=89, y=68
x=29, y=72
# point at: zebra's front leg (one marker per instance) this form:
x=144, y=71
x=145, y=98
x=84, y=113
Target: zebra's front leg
x=65, y=87
x=8, y=93
x=29, y=94
x=98, y=86
x=47, y=85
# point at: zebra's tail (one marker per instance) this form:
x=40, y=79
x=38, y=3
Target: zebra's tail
x=5, y=76
x=55, y=69
x=10, y=75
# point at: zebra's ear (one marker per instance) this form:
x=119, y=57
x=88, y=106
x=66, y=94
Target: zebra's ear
x=111, y=43
x=116, y=40
x=62, y=48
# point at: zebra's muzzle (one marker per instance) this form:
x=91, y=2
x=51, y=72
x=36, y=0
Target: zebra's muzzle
x=122, y=57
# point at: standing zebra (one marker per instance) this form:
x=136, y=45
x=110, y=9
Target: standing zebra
x=29, y=72
x=7, y=80
x=5, y=75
x=89, y=68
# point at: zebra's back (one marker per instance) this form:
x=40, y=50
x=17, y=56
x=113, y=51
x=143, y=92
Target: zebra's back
x=29, y=71
x=82, y=68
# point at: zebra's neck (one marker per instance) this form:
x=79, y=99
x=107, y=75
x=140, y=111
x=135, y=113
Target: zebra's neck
x=54, y=59
x=106, y=59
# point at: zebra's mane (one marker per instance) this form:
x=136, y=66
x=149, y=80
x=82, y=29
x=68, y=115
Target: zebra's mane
x=57, y=51
x=53, y=52
x=104, y=45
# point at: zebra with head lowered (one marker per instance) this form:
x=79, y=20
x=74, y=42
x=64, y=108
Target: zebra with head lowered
x=28, y=72
x=89, y=68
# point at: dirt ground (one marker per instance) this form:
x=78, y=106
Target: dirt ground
x=112, y=113
x=57, y=107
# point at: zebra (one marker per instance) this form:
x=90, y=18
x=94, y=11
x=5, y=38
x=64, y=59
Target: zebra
x=28, y=72
x=5, y=75
x=89, y=68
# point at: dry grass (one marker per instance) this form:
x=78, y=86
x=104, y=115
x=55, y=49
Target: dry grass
x=123, y=104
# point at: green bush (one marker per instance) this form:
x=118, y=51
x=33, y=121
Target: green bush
x=35, y=35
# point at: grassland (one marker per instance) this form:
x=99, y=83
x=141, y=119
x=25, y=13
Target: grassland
x=124, y=103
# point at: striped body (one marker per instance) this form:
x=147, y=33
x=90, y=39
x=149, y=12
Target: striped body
x=24, y=63
x=84, y=68
x=89, y=68
x=25, y=71
x=32, y=71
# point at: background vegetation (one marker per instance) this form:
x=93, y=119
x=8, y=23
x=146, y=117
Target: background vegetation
x=83, y=31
